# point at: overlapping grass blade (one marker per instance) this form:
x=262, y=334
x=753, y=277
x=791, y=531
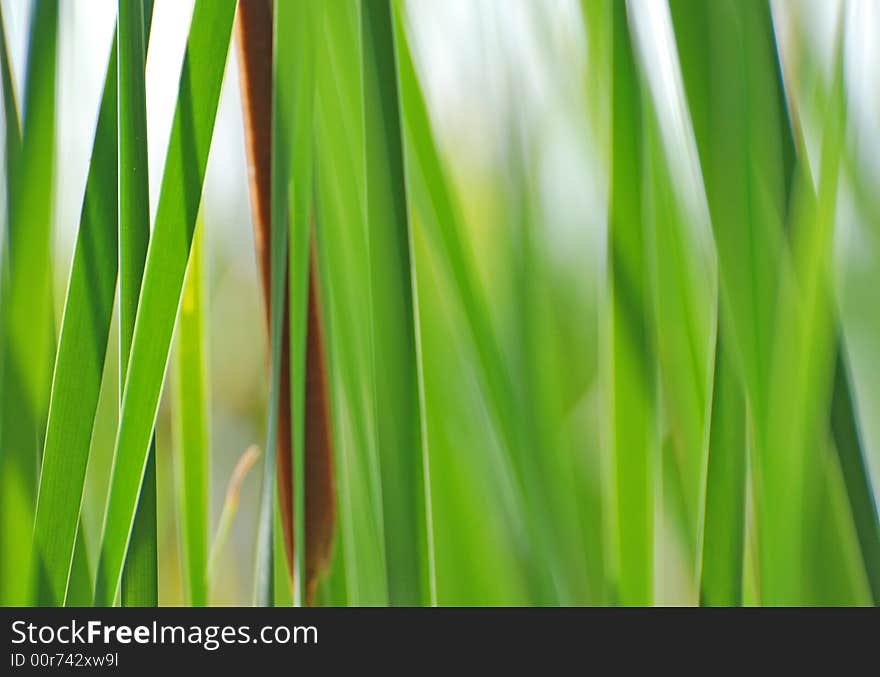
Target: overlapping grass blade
x=192, y=468
x=848, y=431
x=443, y=224
x=78, y=372
x=403, y=454
x=783, y=451
x=683, y=300
x=13, y=532
x=789, y=468
x=81, y=352
x=845, y=426
x=633, y=369
x=79, y=586
x=430, y=192
x=199, y=91
x=140, y=575
x=458, y=479
x=806, y=361
x=280, y=232
x=347, y=301
x=546, y=479
x=801, y=384
x=264, y=578
x=278, y=175
x=730, y=74
x=291, y=199
x=28, y=303
x=729, y=67
x=723, y=522
x=294, y=94
x=282, y=582
x=540, y=374
x=721, y=564
x=26, y=311
x=862, y=502
x=292, y=203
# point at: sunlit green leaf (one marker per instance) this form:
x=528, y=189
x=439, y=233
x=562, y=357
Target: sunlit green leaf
x=26, y=311
x=201, y=76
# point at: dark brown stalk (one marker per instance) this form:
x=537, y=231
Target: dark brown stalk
x=254, y=40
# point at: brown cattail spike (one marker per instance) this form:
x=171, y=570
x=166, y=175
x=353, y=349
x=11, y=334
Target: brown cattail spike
x=254, y=39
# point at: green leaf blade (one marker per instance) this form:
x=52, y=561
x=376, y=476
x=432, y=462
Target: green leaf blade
x=341, y=238
x=26, y=311
x=398, y=415
x=684, y=322
x=731, y=79
x=82, y=348
x=724, y=522
x=201, y=78
x=191, y=423
x=632, y=389
x=294, y=97
x=140, y=578
x=862, y=501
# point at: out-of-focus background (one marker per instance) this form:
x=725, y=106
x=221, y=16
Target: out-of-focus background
x=518, y=113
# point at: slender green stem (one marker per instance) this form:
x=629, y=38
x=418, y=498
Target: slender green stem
x=26, y=308
x=140, y=576
x=192, y=467
x=191, y=132
x=632, y=401
x=396, y=388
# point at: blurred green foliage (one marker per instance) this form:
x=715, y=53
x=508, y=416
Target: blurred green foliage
x=597, y=290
